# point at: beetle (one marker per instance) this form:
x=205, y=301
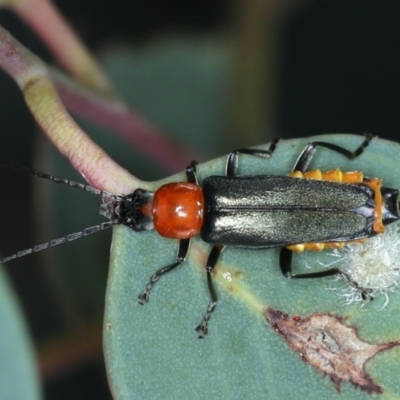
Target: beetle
x=304, y=210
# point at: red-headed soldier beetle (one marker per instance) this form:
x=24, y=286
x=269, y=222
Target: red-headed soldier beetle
x=304, y=210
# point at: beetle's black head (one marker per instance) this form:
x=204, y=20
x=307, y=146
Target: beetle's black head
x=133, y=210
x=390, y=205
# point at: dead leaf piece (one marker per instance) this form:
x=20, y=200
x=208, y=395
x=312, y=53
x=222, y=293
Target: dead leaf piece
x=324, y=341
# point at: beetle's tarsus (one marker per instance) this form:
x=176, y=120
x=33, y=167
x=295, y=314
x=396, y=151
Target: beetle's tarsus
x=366, y=293
x=202, y=328
x=143, y=298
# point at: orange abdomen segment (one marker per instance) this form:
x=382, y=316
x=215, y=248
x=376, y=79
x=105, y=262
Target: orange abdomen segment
x=178, y=210
x=321, y=246
x=334, y=175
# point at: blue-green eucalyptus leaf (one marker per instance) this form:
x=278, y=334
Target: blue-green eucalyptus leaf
x=153, y=352
x=18, y=373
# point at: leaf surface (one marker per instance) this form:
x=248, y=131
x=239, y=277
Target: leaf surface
x=152, y=351
x=18, y=374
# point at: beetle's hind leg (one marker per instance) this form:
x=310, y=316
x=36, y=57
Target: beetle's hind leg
x=285, y=261
x=232, y=160
x=212, y=260
x=182, y=253
x=307, y=154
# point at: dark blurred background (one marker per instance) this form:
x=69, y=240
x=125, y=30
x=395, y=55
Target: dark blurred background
x=289, y=69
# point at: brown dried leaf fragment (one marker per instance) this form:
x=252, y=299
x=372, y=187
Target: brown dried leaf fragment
x=324, y=341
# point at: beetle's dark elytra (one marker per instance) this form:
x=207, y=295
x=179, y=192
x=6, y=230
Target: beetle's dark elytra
x=276, y=211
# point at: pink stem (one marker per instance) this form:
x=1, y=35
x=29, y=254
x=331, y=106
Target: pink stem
x=104, y=108
x=31, y=75
x=47, y=22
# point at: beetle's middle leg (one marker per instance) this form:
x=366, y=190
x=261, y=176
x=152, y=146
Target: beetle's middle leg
x=212, y=260
x=307, y=154
x=232, y=160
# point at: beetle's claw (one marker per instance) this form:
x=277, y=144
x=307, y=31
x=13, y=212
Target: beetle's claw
x=143, y=297
x=202, y=329
x=367, y=294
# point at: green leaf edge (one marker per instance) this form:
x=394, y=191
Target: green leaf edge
x=19, y=377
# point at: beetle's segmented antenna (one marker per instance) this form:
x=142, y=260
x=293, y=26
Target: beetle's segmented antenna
x=64, y=239
x=76, y=185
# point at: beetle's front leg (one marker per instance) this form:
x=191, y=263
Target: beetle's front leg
x=191, y=174
x=182, y=253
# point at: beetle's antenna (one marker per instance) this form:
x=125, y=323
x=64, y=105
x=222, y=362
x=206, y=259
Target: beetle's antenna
x=64, y=239
x=75, y=185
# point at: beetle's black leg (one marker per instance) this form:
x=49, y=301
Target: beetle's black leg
x=307, y=154
x=183, y=244
x=285, y=261
x=182, y=252
x=190, y=171
x=216, y=251
x=232, y=160
x=366, y=294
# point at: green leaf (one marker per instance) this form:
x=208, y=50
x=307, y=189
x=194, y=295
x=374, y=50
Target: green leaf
x=18, y=374
x=152, y=351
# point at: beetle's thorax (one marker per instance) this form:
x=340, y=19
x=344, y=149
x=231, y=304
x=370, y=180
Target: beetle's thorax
x=178, y=210
x=175, y=210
